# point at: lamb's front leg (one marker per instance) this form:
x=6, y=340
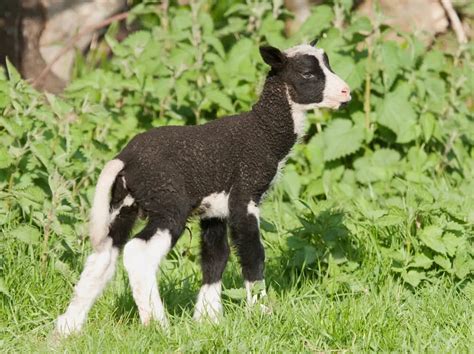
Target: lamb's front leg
x=244, y=225
x=214, y=255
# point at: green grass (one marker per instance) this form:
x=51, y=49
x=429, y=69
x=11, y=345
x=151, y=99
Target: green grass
x=378, y=254
x=310, y=312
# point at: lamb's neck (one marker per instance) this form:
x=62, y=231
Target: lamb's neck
x=276, y=117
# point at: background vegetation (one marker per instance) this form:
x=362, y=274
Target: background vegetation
x=368, y=235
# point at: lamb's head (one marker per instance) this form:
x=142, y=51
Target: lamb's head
x=308, y=76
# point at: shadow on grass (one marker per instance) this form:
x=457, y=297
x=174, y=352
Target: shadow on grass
x=178, y=296
x=322, y=238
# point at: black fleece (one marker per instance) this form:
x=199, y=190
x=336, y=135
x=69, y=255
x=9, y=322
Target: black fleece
x=169, y=170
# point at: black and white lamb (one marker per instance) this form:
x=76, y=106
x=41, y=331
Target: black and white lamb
x=218, y=171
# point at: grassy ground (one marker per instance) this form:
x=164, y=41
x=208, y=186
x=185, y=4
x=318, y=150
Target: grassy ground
x=381, y=314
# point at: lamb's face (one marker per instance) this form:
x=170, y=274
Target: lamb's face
x=309, y=78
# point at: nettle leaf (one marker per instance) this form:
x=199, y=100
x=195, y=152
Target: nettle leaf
x=58, y=106
x=206, y=22
x=386, y=158
x=43, y=152
x=396, y=113
x=428, y=124
x=272, y=30
x=220, y=99
x=462, y=264
x=182, y=20
x=137, y=41
x=332, y=41
x=116, y=47
x=314, y=152
x=320, y=19
x=436, y=87
x=421, y=261
x=4, y=96
x=431, y=237
x=452, y=242
x=381, y=166
x=305, y=256
x=5, y=158
x=360, y=24
x=390, y=62
x=434, y=60
x=443, y=262
x=391, y=220
x=215, y=43
x=12, y=72
x=295, y=242
x=239, y=64
x=268, y=226
x=13, y=127
x=291, y=182
x=236, y=294
x=341, y=138
x=413, y=277
x=349, y=70
x=63, y=268
x=27, y=234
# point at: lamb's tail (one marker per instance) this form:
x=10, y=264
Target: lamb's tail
x=100, y=213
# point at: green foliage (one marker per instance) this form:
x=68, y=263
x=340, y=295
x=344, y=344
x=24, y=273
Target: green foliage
x=391, y=177
x=370, y=228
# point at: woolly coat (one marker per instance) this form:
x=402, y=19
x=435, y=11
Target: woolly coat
x=171, y=169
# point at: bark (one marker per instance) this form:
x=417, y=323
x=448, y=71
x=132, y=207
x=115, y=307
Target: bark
x=34, y=32
x=10, y=32
x=426, y=18
x=31, y=62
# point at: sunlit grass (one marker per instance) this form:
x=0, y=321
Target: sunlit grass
x=310, y=312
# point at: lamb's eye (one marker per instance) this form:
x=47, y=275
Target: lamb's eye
x=307, y=75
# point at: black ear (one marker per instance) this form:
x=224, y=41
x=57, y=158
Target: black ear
x=273, y=57
x=314, y=41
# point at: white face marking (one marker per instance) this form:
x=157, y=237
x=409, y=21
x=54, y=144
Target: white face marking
x=208, y=303
x=298, y=113
x=100, y=216
x=332, y=95
x=99, y=269
x=141, y=259
x=215, y=205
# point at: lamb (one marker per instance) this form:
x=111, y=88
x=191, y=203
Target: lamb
x=219, y=171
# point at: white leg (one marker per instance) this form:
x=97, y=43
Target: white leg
x=209, y=302
x=141, y=259
x=99, y=269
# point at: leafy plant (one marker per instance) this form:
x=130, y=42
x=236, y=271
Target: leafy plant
x=398, y=161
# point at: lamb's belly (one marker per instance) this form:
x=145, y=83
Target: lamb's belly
x=215, y=205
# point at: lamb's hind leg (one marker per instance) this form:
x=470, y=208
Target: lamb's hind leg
x=99, y=269
x=142, y=256
x=214, y=254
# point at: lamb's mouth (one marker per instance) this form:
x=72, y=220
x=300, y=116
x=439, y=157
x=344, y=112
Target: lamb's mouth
x=344, y=104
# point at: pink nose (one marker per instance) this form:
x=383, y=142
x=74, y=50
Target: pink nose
x=345, y=91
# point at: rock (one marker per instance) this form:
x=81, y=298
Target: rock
x=426, y=18
x=64, y=19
